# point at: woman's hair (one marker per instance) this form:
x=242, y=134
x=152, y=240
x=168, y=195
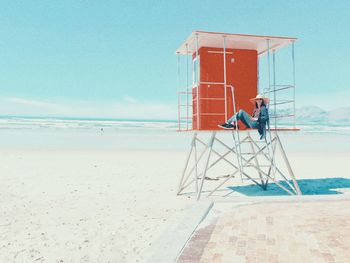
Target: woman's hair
x=262, y=104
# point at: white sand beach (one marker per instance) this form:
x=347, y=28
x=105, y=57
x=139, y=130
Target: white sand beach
x=101, y=103
x=85, y=202
x=82, y=206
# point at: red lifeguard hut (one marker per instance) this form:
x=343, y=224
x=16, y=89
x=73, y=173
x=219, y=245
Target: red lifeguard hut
x=219, y=76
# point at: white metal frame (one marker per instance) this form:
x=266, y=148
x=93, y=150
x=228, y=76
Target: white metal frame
x=267, y=149
x=271, y=88
x=196, y=172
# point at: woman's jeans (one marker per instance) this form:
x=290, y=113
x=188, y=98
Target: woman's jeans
x=245, y=118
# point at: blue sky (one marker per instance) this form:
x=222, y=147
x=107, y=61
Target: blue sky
x=116, y=58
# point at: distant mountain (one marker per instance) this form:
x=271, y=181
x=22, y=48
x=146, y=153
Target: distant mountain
x=311, y=114
x=317, y=115
x=340, y=115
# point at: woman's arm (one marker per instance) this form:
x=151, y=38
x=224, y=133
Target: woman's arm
x=253, y=114
x=264, y=115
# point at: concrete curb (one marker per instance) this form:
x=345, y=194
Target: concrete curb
x=170, y=245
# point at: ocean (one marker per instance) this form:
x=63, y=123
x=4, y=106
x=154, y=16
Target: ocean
x=87, y=133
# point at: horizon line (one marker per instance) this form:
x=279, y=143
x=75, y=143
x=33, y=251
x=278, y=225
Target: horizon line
x=2, y=116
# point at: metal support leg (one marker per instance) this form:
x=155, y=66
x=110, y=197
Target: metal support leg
x=237, y=144
x=256, y=160
x=210, y=146
x=274, y=86
x=293, y=62
x=288, y=166
x=186, y=165
x=196, y=169
x=238, y=152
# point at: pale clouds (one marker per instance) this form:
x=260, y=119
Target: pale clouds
x=129, y=99
x=126, y=108
x=32, y=103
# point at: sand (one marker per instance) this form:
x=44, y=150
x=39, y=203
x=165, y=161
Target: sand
x=81, y=206
x=111, y=205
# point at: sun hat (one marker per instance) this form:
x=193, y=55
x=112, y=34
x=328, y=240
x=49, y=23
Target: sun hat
x=260, y=96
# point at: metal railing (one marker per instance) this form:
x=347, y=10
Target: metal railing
x=187, y=119
x=186, y=113
x=278, y=88
x=189, y=113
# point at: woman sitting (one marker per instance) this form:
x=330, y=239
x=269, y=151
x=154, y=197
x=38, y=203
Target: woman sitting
x=258, y=119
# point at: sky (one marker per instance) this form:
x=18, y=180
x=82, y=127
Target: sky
x=116, y=59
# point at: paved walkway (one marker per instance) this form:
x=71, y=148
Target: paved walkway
x=316, y=231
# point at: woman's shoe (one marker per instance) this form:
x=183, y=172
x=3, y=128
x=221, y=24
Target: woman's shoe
x=224, y=125
x=231, y=127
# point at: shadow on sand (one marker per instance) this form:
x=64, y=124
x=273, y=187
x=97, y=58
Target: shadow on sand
x=325, y=186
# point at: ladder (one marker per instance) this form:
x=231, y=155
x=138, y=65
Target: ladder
x=269, y=155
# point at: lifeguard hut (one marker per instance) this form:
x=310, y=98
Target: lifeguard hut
x=220, y=74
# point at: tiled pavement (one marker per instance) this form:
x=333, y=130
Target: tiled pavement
x=317, y=231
